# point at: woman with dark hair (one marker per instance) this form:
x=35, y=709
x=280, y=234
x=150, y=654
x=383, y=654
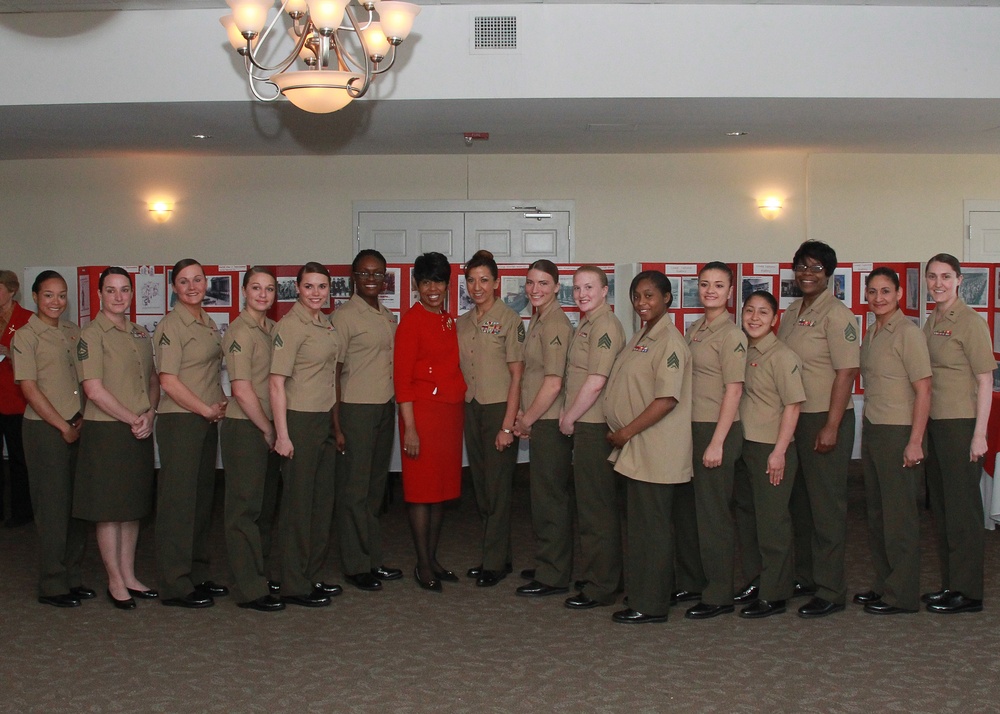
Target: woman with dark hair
x=491, y=347
x=824, y=334
x=44, y=353
x=430, y=391
x=545, y=347
x=718, y=359
x=897, y=371
x=188, y=350
x=769, y=410
x=363, y=420
x=598, y=340
x=302, y=389
x=12, y=317
x=114, y=479
x=962, y=365
x=248, y=437
x=647, y=403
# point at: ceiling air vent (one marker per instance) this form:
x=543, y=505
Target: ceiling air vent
x=494, y=33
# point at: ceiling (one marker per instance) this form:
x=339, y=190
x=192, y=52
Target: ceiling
x=524, y=126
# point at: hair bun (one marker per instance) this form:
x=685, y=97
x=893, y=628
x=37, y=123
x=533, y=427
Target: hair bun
x=483, y=255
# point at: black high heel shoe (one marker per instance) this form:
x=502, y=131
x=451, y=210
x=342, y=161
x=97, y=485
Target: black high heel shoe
x=128, y=604
x=446, y=576
x=143, y=594
x=432, y=585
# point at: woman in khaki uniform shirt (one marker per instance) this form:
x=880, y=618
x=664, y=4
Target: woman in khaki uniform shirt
x=44, y=353
x=962, y=367
x=114, y=482
x=545, y=348
x=491, y=346
x=647, y=403
x=896, y=368
x=188, y=350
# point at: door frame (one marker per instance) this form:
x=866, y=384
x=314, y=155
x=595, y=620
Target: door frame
x=974, y=206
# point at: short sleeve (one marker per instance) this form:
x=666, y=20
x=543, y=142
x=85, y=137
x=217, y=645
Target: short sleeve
x=605, y=344
x=287, y=342
x=343, y=327
x=978, y=347
x=733, y=357
x=90, y=355
x=669, y=373
x=513, y=339
x=788, y=378
x=168, y=346
x=914, y=355
x=238, y=352
x=842, y=338
x=556, y=336
x=23, y=350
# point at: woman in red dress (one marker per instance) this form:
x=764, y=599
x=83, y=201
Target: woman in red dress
x=430, y=392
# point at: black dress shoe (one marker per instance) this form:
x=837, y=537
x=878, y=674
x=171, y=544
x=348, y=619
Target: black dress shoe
x=317, y=598
x=364, y=581
x=328, y=589
x=865, y=598
x=762, y=608
x=537, y=589
x=82, y=593
x=746, y=595
x=384, y=573
x=265, y=603
x=684, y=596
x=634, y=617
x=528, y=573
x=212, y=589
x=703, y=611
x=582, y=602
x=954, y=603
x=446, y=576
x=274, y=587
x=818, y=607
x=803, y=591
x=883, y=608
x=65, y=600
x=126, y=604
x=433, y=584
x=143, y=594
x=194, y=599
x=937, y=596
x=489, y=578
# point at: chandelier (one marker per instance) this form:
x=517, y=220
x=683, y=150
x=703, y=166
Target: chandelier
x=344, y=44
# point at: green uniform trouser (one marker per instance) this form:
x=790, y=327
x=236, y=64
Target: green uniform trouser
x=185, y=490
x=251, y=470
x=713, y=494
x=892, y=495
x=551, y=507
x=746, y=523
x=362, y=473
x=771, y=516
x=61, y=538
x=492, y=479
x=688, y=571
x=819, y=507
x=598, y=513
x=957, y=504
x=307, y=500
x=649, y=559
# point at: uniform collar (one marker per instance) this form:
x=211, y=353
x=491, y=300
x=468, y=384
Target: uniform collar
x=953, y=312
x=250, y=322
x=658, y=329
x=302, y=313
x=767, y=343
x=895, y=319
x=548, y=309
x=718, y=323
x=189, y=319
x=105, y=323
x=39, y=326
x=362, y=304
x=489, y=313
x=596, y=313
x=817, y=304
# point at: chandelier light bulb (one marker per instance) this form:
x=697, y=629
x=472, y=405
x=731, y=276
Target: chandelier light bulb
x=326, y=14
x=397, y=18
x=250, y=16
x=377, y=43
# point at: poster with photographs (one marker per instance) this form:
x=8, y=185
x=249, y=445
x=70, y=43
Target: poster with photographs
x=340, y=287
x=84, y=281
x=789, y=290
x=150, y=294
x=566, y=291
x=218, y=291
x=513, y=295
x=287, y=290
x=390, y=293
x=753, y=283
x=912, y=288
x=690, y=319
x=464, y=299
x=975, y=287
x=675, y=290
x=840, y=284
x=689, y=293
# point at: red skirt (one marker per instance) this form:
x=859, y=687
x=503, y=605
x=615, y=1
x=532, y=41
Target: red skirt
x=436, y=474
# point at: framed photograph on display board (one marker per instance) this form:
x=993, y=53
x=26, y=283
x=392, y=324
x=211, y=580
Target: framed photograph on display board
x=513, y=295
x=689, y=290
x=913, y=288
x=789, y=290
x=218, y=291
x=840, y=283
x=753, y=283
x=975, y=287
x=150, y=294
x=390, y=293
x=287, y=290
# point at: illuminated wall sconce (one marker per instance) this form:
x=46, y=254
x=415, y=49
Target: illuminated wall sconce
x=770, y=207
x=160, y=211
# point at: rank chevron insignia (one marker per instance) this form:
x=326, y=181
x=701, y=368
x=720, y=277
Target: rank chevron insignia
x=556, y=341
x=278, y=342
x=520, y=332
x=850, y=333
x=740, y=349
x=164, y=341
x=673, y=362
x=82, y=350
x=605, y=342
x=235, y=347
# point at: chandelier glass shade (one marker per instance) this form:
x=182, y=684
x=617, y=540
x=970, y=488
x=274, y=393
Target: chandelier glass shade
x=344, y=45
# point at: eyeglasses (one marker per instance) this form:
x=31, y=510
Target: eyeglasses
x=368, y=276
x=817, y=269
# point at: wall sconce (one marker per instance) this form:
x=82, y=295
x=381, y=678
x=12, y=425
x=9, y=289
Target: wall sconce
x=770, y=207
x=160, y=211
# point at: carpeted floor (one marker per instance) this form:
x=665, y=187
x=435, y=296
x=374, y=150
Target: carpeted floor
x=484, y=650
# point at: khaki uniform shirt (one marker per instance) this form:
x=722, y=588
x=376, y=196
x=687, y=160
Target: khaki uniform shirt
x=825, y=337
x=718, y=357
x=366, y=339
x=960, y=348
x=486, y=348
x=545, y=346
x=773, y=381
x=305, y=352
x=191, y=349
x=47, y=356
x=657, y=365
x=893, y=357
x=598, y=340
x=122, y=358
x=247, y=347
